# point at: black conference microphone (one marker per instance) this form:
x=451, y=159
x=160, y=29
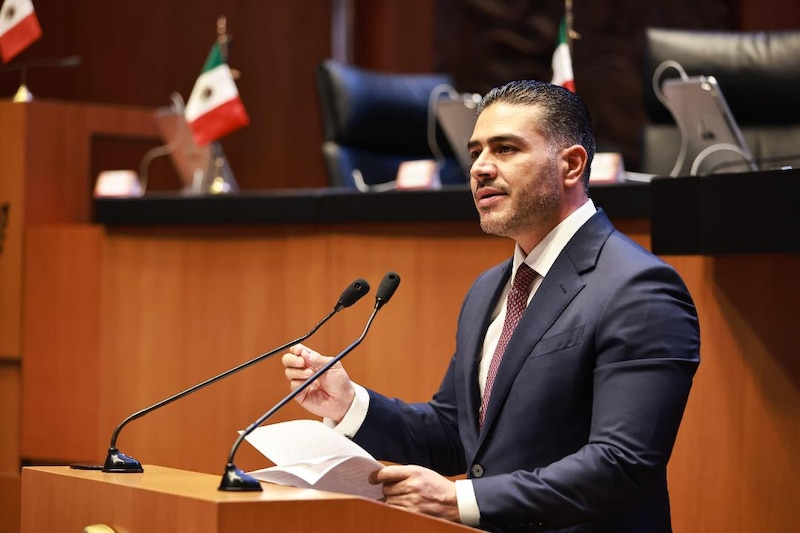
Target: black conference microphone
x=118, y=462
x=236, y=480
x=67, y=61
x=23, y=94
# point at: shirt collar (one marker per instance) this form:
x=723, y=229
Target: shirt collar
x=547, y=251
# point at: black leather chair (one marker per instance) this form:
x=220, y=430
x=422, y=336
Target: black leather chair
x=759, y=74
x=374, y=121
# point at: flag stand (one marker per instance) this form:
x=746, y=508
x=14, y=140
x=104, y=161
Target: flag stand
x=23, y=94
x=218, y=179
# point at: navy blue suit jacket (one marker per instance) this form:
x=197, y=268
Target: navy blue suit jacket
x=586, y=403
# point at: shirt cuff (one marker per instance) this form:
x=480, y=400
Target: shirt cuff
x=355, y=416
x=468, y=510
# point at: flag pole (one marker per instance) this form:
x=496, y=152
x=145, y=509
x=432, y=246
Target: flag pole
x=223, y=37
x=220, y=176
x=571, y=34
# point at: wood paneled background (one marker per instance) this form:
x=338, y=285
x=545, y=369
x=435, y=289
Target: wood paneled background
x=90, y=292
x=139, y=53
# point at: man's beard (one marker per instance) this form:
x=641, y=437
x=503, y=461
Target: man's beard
x=531, y=208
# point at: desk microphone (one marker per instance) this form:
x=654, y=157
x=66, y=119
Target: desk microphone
x=118, y=462
x=67, y=61
x=235, y=479
x=23, y=94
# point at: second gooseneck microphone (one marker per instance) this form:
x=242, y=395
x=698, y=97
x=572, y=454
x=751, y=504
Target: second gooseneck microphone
x=118, y=462
x=234, y=479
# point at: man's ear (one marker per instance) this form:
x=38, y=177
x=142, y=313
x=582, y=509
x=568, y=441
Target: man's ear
x=574, y=160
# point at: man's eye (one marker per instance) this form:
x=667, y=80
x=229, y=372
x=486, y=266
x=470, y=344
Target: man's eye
x=473, y=154
x=505, y=149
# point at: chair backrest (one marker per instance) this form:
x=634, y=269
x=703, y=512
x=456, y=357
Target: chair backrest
x=374, y=121
x=759, y=74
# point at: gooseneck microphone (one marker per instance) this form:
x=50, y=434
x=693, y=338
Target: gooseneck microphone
x=118, y=462
x=234, y=479
x=23, y=94
x=67, y=61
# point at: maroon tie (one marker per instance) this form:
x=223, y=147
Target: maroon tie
x=517, y=302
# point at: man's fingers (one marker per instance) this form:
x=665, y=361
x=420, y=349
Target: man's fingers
x=390, y=474
x=290, y=360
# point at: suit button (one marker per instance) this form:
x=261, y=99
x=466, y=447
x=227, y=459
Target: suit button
x=477, y=470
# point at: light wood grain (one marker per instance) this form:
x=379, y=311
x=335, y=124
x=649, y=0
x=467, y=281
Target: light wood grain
x=12, y=153
x=9, y=446
x=57, y=499
x=735, y=466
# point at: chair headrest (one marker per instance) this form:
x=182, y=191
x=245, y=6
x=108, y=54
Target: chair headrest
x=758, y=72
x=373, y=110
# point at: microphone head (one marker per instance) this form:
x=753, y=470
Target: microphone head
x=70, y=61
x=386, y=289
x=353, y=293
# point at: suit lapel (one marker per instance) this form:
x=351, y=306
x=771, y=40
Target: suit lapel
x=491, y=286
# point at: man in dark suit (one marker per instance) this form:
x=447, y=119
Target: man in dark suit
x=570, y=425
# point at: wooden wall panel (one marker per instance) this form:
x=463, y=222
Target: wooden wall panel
x=12, y=213
x=410, y=344
x=175, y=310
x=58, y=181
x=768, y=14
x=9, y=417
x=196, y=307
x=61, y=362
x=9, y=503
x=735, y=466
x=394, y=36
x=10, y=382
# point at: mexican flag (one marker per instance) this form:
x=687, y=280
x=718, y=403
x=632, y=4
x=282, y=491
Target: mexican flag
x=214, y=108
x=562, y=60
x=19, y=27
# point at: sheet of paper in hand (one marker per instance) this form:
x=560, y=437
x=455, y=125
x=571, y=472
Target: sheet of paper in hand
x=309, y=454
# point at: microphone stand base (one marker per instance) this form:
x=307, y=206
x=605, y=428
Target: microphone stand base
x=119, y=463
x=235, y=480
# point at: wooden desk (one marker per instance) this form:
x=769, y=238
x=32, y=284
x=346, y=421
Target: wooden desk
x=56, y=499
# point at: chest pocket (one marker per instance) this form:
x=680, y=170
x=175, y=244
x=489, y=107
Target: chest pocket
x=559, y=341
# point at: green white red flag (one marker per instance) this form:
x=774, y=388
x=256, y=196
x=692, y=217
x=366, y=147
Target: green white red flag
x=562, y=60
x=19, y=27
x=215, y=108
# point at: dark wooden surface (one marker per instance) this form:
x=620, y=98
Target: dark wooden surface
x=722, y=214
x=621, y=201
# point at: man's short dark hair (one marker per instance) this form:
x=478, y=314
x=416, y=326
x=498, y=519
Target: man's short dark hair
x=566, y=120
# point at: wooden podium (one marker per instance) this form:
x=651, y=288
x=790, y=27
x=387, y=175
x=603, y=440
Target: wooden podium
x=165, y=499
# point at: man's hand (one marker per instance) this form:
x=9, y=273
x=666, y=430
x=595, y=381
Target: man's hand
x=330, y=395
x=418, y=489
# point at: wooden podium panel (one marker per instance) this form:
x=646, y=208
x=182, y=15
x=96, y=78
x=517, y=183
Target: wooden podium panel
x=120, y=319
x=46, y=150
x=49, y=153
x=58, y=499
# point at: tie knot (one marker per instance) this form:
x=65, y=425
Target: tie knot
x=523, y=278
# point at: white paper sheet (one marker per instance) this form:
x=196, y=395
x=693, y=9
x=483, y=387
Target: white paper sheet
x=309, y=454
